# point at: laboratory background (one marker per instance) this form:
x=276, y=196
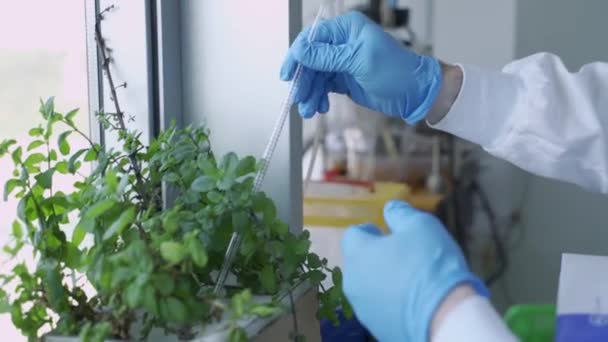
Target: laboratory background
x=216, y=63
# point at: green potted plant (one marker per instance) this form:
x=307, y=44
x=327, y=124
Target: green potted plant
x=147, y=264
x=117, y=258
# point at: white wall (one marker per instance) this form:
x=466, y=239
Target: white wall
x=575, y=30
x=558, y=217
x=480, y=32
x=231, y=55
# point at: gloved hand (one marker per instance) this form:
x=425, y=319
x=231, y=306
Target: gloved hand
x=396, y=282
x=352, y=55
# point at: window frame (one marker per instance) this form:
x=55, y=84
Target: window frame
x=160, y=101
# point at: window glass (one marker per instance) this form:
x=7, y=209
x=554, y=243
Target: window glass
x=42, y=54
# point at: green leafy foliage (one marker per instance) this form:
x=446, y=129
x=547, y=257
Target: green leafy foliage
x=62, y=142
x=173, y=252
x=139, y=254
x=237, y=334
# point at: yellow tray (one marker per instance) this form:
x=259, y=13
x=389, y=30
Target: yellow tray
x=342, y=205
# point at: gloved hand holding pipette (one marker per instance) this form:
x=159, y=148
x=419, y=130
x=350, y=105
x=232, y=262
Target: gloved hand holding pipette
x=414, y=284
x=534, y=113
x=352, y=55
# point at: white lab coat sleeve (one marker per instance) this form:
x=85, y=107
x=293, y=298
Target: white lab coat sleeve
x=539, y=116
x=473, y=320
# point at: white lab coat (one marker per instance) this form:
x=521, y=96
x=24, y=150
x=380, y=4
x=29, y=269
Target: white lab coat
x=542, y=118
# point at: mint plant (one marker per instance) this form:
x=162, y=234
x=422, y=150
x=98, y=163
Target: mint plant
x=113, y=257
x=146, y=260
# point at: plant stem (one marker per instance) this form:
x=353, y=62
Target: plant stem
x=119, y=113
x=38, y=208
x=81, y=133
x=48, y=164
x=296, y=330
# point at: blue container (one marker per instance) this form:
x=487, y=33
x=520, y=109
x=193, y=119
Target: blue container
x=349, y=330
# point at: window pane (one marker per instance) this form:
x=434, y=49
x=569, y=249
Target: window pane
x=42, y=54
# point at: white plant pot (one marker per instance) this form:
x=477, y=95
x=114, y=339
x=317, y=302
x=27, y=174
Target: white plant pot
x=275, y=328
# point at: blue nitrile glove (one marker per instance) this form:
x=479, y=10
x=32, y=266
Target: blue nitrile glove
x=396, y=282
x=352, y=55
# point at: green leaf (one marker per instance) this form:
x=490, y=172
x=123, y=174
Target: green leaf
x=62, y=167
x=172, y=251
x=69, y=117
x=171, y=222
x=149, y=299
x=91, y=155
x=133, y=295
x=111, y=180
x=316, y=276
x=14, y=250
x=51, y=240
x=240, y=220
x=203, y=184
x=268, y=279
x=120, y=274
x=72, y=162
x=47, y=108
x=9, y=186
x=5, y=306
x=230, y=161
x=34, y=159
x=45, y=179
x=264, y=311
x=22, y=208
x=62, y=142
x=99, y=208
x=347, y=309
x=197, y=252
x=266, y=207
x=5, y=145
x=208, y=167
x=52, y=283
x=336, y=277
x=16, y=155
x=327, y=309
x=237, y=334
x=280, y=228
x=314, y=261
x=151, y=224
x=86, y=224
x=248, y=248
x=124, y=220
x=35, y=144
x=239, y=302
x=302, y=247
x=173, y=310
x=78, y=235
x=72, y=256
x=246, y=166
x=227, y=182
x=214, y=197
x=17, y=229
x=36, y=132
x=164, y=284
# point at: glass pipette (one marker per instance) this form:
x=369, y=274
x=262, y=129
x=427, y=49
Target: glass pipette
x=235, y=240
